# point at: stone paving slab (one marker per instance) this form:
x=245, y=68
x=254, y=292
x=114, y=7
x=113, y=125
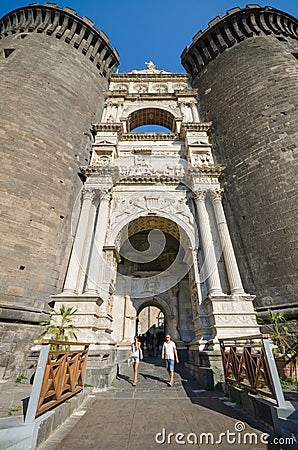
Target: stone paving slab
x=136, y=424
x=144, y=417
x=130, y=418
x=11, y=396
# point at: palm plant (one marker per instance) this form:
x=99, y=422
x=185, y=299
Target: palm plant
x=59, y=326
x=279, y=330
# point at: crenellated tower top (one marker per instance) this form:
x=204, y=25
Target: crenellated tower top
x=238, y=24
x=63, y=24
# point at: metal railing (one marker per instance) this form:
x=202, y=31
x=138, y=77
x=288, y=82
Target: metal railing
x=248, y=362
x=59, y=375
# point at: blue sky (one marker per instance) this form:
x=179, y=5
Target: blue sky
x=153, y=30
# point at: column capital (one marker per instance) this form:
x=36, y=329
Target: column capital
x=96, y=195
x=216, y=194
x=199, y=194
x=103, y=193
x=89, y=194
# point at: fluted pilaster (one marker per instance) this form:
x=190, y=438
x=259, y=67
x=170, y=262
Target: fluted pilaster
x=95, y=268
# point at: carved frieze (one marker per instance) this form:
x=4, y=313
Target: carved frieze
x=155, y=203
x=100, y=160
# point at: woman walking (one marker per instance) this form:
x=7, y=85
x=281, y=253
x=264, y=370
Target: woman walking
x=135, y=355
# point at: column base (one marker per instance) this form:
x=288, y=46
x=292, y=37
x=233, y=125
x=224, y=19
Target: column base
x=101, y=367
x=94, y=326
x=224, y=317
x=91, y=318
x=205, y=366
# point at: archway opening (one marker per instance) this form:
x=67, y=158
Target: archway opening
x=160, y=279
x=136, y=258
x=151, y=116
x=150, y=327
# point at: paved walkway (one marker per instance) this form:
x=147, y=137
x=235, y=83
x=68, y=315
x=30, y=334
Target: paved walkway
x=152, y=414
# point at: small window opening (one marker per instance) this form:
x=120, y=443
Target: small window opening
x=8, y=52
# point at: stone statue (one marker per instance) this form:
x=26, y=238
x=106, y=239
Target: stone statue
x=150, y=65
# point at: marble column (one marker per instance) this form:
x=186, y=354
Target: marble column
x=81, y=243
x=96, y=261
x=210, y=262
x=226, y=244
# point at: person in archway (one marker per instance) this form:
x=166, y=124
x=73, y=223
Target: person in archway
x=136, y=356
x=169, y=354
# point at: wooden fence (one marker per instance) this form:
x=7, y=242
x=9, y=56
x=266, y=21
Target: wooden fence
x=59, y=375
x=248, y=363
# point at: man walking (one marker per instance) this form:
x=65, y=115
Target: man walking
x=169, y=353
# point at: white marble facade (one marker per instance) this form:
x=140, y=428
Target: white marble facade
x=165, y=183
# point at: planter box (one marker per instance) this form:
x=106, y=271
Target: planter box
x=286, y=369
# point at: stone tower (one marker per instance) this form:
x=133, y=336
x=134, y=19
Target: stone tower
x=54, y=67
x=246, y=71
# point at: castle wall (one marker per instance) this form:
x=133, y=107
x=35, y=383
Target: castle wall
x=54, y=67
x=245, y=69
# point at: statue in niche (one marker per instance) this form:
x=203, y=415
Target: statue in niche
x=160, y=88
x=103, y=161
x=140, y=160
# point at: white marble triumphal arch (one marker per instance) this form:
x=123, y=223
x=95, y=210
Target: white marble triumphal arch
x=152, y=229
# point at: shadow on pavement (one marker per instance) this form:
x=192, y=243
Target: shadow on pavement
x=213, y=400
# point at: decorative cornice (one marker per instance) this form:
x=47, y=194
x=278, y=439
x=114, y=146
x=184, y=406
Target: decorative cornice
x=106, y=171
x=214, y=170
x=149, y=179
x=63, y=24
x=125, y=77
x=134, y=174
x=238, y=25
x=150, y=137
x=99, y=127
x=145, y=96
x=193, y=126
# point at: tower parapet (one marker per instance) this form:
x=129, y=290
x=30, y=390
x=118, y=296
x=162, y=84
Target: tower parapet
x=236, y=26
x=63, y=24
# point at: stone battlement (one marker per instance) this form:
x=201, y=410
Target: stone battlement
x=63, y=24
x=237, y=25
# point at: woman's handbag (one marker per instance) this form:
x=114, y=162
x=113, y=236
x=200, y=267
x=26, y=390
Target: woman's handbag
x=140, y=354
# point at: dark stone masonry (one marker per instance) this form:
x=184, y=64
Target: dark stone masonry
x=246, y=71
x=54, y=67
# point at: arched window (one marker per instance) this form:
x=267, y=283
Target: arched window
x=151, y=116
